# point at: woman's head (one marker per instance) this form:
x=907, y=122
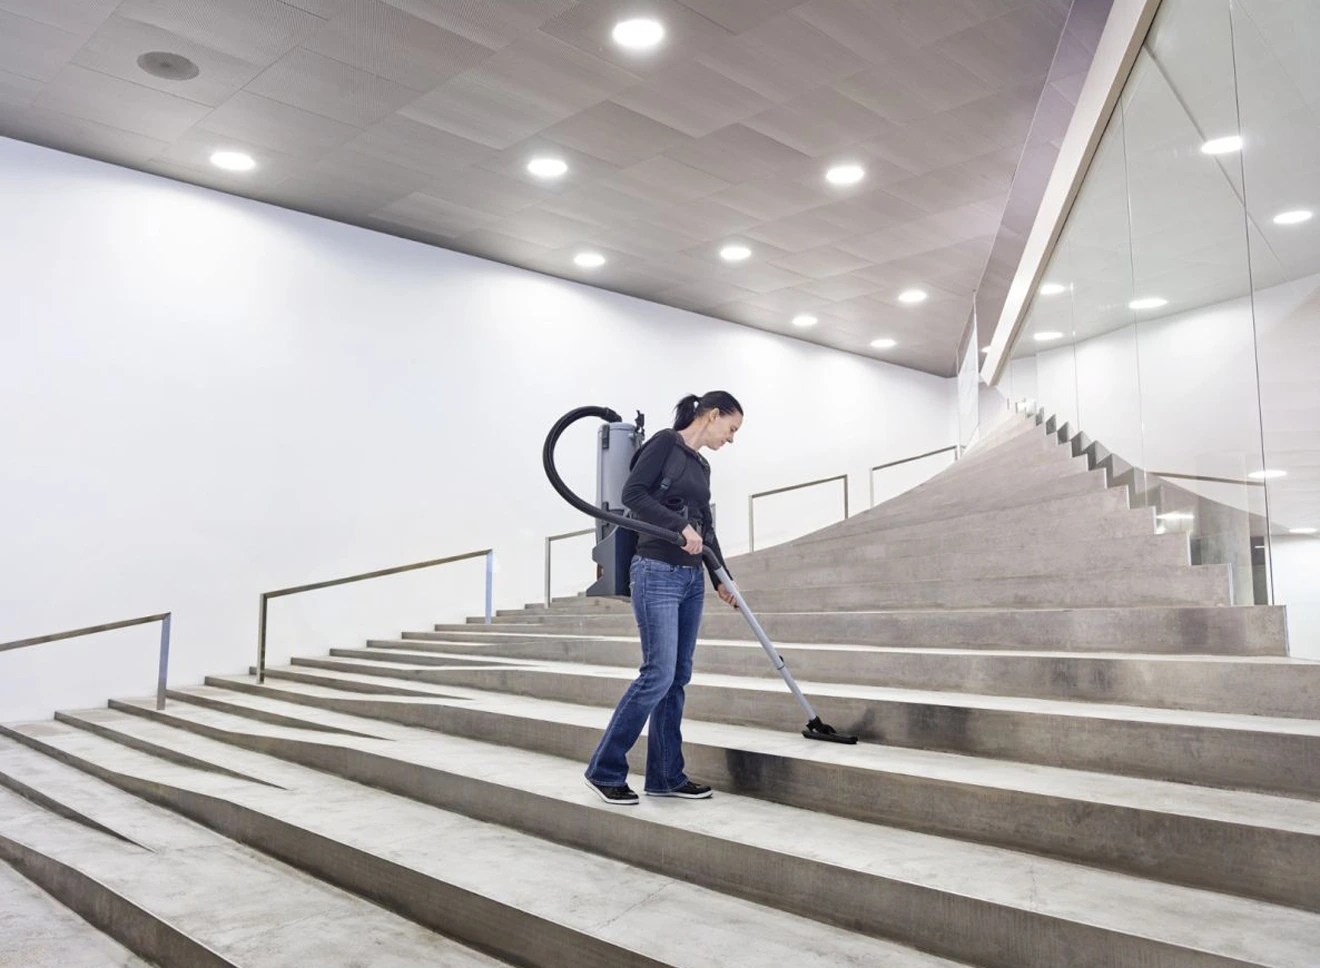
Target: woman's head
x=710, y=420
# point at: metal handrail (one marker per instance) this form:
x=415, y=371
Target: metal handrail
x=488, y=553
x=751, y=502
x=550, y=540
x=1201, y=477
x=957, y=453
x=164, y=618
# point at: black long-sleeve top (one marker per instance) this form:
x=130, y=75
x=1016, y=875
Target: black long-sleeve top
x=689, y=489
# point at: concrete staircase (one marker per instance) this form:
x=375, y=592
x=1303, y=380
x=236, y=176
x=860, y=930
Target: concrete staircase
x=1075, y=755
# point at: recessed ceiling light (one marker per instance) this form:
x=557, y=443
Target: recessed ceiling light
x=1046, y=337
x=985, y=349
x=1302, y=530
x=805, y=320
x=233, y=161
x=1053, y=288
x=1222, y=146
x=735, y=253
x=1176, y=516
x=1293, y=218
x=638, y=34
x=912, y=296
x=1150, y=302
x=845, y=174
x=1267, y=475
x=589, y=260
x=547, y=167
x=883, y=344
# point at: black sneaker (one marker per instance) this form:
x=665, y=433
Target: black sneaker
x=688, y=791
x=621, y=795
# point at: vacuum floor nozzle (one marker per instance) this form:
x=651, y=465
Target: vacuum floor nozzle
x=826, y=733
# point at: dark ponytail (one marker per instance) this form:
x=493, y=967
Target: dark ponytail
x=692, y=406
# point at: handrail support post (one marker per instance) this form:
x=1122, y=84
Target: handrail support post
x=163, y=672
x=490, y=586
x=261, y=641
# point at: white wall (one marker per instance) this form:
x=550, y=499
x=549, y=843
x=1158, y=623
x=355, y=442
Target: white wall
x=203, y=397
x=1295, y=564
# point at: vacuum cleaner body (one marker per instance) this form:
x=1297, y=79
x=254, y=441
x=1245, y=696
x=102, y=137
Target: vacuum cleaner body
x=617, y=446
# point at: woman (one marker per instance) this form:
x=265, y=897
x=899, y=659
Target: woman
x=667, y=596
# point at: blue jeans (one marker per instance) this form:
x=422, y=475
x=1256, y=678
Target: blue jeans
x=667, y=601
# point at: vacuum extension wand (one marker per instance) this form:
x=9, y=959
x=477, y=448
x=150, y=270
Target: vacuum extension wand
x=815, y=729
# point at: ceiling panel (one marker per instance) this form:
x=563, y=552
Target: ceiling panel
x=473, y=110
x=666, y=178
x=114, y=50
x=80, y=93
x=404, y=141
x=75, y=16
x=587, y=25
x=418, y=118
x=384, y=40
x=79, y=136
x=491, y=23
x=33, y=49
x=997, y=50
x=872, y=31
x=486, y=191
x=615, y=133
x=319, y=84
x=437, y=215
x=783, y=58
x=256, y=30
x=694, y=99
x=821, y=262
x=770, y=198
x=17, y=89
x=550, y=73
x=735, y=153
x=278, y=126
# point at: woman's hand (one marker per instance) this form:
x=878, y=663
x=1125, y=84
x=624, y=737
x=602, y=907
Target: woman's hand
x=726, y=596
x=693, y=545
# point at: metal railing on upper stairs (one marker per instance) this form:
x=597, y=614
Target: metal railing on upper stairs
x=957, y=453
x=163, y=666
x=487, y=553
x=751, y=502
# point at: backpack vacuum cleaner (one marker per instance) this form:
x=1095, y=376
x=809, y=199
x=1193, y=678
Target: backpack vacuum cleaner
x=619, y=442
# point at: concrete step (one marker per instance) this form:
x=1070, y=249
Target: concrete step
x=1247, y=843
x=792, y=858
x=879, y=563
x=1092, y=517
x=1040, y=458
x=990, y=485
x=1020, y=443
x=521, y=896
x=1087, y=511
x=1215, y=630
x=1022, y=455
x=1011, y=429
x=190, y=897
x=853, y=587
x=1133, y=586
x=1248, y=686
x=1266, y=754
x=1000, y=502
x=36, y=931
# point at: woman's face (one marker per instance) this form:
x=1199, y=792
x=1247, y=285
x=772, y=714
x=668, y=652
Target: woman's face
x=722, y=428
